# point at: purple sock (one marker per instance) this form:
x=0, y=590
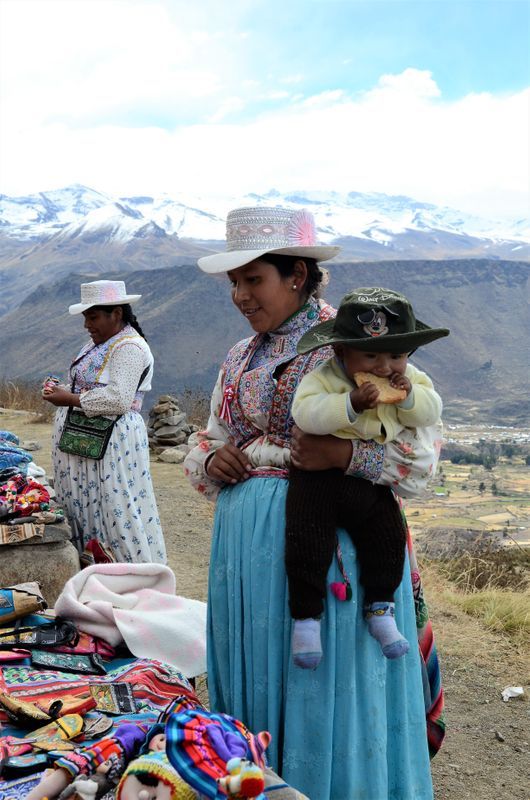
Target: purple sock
x=382, y=626
x=306, y=647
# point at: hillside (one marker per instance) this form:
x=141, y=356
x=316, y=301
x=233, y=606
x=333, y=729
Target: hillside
x=481, y=369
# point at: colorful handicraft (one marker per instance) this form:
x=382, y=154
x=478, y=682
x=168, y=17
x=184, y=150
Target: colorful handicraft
x=21, y=496
x=201, y=744
x=57, y=735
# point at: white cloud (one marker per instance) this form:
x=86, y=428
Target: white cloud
x=411, y=83
x=153, y=101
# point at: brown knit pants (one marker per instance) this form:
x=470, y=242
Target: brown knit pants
x=317, y=504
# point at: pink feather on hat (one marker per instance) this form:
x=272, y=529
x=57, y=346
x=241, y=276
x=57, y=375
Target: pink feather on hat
x=302, y=231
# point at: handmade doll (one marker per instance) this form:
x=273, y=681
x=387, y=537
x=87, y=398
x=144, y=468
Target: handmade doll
x=94, y=786
x=151, y=777
x=85, y=765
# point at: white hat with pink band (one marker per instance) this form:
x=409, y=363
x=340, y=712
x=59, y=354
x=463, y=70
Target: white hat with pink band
x=103, y=293
x=252, y=232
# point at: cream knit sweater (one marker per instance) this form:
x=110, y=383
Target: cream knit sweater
x=321, y=406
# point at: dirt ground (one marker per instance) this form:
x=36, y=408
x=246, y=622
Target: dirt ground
x=486, y=754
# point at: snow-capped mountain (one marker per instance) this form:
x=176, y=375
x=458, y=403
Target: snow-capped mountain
x=462, y=271
x=375, y=218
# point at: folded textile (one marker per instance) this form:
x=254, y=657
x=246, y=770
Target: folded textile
x=13, y=456
x=14, y=534
x=154, y=685
x=136, y=604
x=7, y=436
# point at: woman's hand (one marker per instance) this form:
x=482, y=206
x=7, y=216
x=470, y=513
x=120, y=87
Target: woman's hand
x=59, y=396
x=312, y=452
x=229, y=465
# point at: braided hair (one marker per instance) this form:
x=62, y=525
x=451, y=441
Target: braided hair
x=128, y=316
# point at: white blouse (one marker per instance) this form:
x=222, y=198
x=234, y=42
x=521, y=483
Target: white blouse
x=116, y=394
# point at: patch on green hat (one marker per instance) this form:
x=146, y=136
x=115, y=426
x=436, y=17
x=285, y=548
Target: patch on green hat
x=372, y=319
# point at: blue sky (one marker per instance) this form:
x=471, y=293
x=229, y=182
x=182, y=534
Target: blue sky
x=472, y=45
x=429, y=99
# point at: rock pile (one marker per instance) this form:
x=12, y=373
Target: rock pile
x=168, y=430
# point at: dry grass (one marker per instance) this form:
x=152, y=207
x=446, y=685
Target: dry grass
x=25, y=396
x=474, y=634
x=488, y=568
x=490, y=585
x=500, y=610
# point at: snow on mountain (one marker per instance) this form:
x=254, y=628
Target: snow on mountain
x=112, y=222
x=42, y=214
x=379, y=218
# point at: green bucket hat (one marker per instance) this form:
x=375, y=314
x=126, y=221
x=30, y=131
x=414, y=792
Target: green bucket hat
x=373, y=320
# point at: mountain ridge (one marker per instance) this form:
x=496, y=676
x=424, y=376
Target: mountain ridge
x=48, y=235
x=481, y=370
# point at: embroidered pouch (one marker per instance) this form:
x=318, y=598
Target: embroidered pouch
x=96, y=727
x=46, y=634
x=86, y=644
x=84, y=436
x=23, y=712
x=68, y=662
x=28, y=714
x=19, y=600
x=57, y=734
x=114, y=698
x=15, y=766
x=88, y=437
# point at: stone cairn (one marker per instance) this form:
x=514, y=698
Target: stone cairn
x=168, y=430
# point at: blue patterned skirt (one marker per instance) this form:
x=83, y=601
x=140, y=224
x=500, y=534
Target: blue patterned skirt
x=353, y=729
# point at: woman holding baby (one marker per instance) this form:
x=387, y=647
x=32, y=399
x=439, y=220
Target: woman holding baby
x=359, y=725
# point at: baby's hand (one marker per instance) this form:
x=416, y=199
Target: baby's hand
x=399, y=381
x=364, y=397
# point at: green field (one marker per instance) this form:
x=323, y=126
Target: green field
x=472, y=497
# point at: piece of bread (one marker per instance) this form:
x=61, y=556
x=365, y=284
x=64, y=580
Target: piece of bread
x=387, y=393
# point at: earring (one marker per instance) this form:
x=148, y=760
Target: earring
x=294, y=287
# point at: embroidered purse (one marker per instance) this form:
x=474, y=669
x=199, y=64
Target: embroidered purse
x=29, y=715
x=68, y=662
x=46, y=634
x=84, y=436
x=88, y=437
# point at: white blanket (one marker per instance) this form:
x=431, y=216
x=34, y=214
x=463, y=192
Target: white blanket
x=136, y=604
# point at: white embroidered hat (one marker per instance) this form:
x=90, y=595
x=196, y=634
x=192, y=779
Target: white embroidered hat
x=252, y=232
x=103, y=293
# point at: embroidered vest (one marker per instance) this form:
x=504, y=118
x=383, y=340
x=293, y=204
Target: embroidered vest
x=249, y=383
x=86, y=371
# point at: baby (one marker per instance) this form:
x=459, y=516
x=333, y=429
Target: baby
x=368, y=390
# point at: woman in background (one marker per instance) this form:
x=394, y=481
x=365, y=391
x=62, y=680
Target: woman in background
x=110, y=502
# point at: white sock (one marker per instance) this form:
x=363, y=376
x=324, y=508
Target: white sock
x=306, y=647
x=382, y=626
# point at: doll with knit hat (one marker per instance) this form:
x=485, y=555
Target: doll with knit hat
x=367, y=391
x=151, y=777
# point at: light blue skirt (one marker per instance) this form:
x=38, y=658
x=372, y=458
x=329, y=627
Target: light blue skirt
x=353, y=729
